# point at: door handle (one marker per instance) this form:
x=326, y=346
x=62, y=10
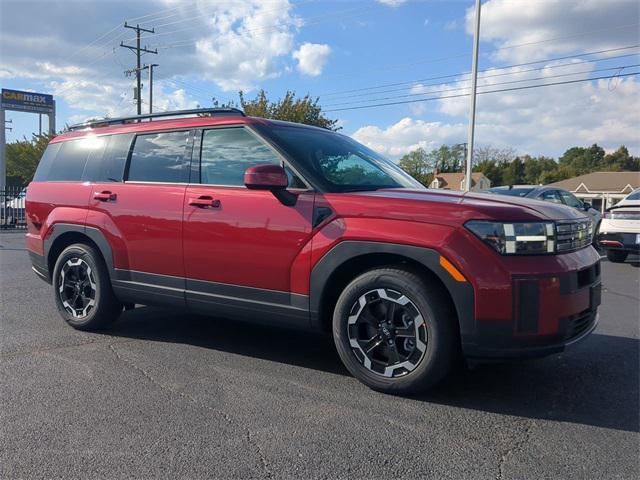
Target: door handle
x=105, y=196
x=204, y=201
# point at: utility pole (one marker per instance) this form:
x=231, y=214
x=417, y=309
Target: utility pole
x=150, y=67
x=472, y=109
x=138, y=50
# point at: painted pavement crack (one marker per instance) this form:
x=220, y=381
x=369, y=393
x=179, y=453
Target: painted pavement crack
x=225, y=416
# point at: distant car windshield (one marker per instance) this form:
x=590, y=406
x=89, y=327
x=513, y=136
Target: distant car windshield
x=634, y=196
x=513, y=192
x=339, y=163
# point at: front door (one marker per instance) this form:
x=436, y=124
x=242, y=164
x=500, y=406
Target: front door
x=241, y=245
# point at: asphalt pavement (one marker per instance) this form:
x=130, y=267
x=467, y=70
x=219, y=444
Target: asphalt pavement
x=162, y=394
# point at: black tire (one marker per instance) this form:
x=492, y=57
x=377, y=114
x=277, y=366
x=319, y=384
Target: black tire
x=102, y=306
x=439, y=323
x=617, y=256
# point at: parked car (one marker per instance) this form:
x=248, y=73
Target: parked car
x=550, y=194
x=288, y=224
x=619, y=233
x=12, y=209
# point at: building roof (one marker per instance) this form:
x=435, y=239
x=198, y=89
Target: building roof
x=601, y=182
x=454, y=180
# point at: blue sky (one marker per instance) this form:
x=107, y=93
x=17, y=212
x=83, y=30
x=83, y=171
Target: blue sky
x=345, y=52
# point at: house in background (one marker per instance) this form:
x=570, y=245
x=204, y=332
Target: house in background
x=455, y=181
x=602, y=189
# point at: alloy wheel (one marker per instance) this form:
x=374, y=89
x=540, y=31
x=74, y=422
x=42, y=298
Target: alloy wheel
x=387, y=332
x=77, y=287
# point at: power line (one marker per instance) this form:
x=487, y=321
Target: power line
x=526, y=87
x=511, y=82
x=200, y=16
x=264, y=30
x=422, y=85
x=408, y=82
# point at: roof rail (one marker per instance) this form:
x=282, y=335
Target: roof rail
x=209, y=112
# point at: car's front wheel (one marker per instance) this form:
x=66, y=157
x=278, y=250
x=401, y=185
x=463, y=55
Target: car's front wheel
x=82, y=288
x=394, y=331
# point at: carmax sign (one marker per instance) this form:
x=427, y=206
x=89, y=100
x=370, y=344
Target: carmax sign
x=27, y=101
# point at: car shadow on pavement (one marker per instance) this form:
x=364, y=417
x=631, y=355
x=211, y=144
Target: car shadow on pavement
x=595, y=383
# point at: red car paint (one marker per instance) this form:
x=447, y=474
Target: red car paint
x=247, y=238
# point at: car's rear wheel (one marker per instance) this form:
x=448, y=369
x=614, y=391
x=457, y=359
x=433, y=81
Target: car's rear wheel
x=394, y=331
x=82, y=289
x=617, y=256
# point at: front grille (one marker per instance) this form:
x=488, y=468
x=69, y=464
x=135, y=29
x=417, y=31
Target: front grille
x=579, y=323
x=573, y=234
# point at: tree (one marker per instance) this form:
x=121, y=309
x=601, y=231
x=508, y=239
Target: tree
x=514, y=172
x=447, y=158
x=23, y=157
x=416, y=164
x=290, y=108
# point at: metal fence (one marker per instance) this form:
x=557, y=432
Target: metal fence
x=12, y=213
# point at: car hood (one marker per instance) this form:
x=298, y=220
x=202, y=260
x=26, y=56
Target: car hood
x=489, y=205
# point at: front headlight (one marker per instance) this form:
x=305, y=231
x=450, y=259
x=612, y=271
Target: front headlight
x=510, y=238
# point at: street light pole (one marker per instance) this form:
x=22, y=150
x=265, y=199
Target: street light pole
x=472, y=109
x=150, y=66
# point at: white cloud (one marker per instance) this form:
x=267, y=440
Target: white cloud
x=409, y=134
x=583, y=25
x=244, y=42
x=538, y=121
x=392, y=3
x=311, y=58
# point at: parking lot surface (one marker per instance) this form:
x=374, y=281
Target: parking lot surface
x=169, y=395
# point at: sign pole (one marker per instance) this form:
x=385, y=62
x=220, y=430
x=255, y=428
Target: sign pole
x=3, y=163
x=52, y=120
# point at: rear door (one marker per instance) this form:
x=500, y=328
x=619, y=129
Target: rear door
x=239, y=251
x=136, y=200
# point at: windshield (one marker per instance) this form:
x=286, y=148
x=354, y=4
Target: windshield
x=338, y=163
x=634, y=196
x=512, y=192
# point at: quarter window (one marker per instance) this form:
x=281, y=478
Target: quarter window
x=228, y=152
x=160, y=157
x=69, y=162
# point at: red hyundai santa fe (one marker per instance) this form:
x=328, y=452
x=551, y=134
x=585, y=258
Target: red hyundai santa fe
x=215, y=212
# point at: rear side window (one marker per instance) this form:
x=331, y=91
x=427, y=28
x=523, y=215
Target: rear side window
x=67, y=164
x=44, y=167
x=160, y=157
x=228, y=152
x=108, y=163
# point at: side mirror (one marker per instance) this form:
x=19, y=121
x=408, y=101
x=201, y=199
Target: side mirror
x=265, y=177
x=587, y=206
x=273, y=178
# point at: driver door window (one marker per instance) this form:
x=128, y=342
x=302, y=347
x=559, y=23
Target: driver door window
x=570, y=200
x=228, y=152
x=551, y=196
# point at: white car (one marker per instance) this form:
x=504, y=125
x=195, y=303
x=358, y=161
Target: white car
x=619, y=232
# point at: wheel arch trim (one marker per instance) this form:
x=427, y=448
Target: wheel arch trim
x=94, y=234
x=461, y=293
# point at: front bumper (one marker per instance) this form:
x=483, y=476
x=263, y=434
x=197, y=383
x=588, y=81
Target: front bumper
x=627, y=242
x=539, y=313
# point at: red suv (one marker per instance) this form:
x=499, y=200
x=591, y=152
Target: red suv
x=294, y=225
